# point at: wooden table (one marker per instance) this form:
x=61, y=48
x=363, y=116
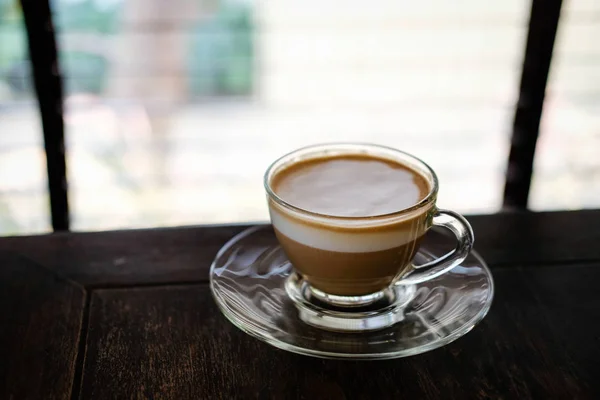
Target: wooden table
x=128, y=314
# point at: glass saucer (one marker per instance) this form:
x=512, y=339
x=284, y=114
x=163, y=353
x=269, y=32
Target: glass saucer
x=255, y=287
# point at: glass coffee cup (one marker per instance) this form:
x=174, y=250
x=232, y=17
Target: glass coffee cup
x=351, y=261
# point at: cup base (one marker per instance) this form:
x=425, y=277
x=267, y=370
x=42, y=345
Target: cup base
x=371, y=312
x=349, y=301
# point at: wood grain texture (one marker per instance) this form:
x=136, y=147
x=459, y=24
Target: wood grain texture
x=127, y=257
x=526, y=238
x=40, y=320
x=171, y=255
x=172, y=343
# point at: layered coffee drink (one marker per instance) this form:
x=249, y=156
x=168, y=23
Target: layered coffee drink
x=350, y=223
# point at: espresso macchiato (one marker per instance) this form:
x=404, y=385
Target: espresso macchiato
x=339, y=219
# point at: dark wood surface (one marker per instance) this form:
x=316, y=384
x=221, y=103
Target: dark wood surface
x=151, y=329
x=188, y=350
x=40, y=322
x=130, y=257
x=184, y=255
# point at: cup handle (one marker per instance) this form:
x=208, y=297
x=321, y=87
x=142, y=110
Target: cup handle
x=456, y=224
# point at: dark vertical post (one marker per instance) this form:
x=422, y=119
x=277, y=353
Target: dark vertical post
x=48, y=86
x=543, y=23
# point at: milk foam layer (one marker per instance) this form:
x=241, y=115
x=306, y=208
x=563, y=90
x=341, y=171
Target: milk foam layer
x=350, y=186
x=321, y=237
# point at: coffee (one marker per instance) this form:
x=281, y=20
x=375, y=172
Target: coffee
x=350, y=186
x=352, y=241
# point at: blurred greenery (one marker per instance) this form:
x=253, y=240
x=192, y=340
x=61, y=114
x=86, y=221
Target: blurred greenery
x=9, y=9
x=13, y=45
x=100, y=16
x=220, y=57
x=85, y=72
x=222, y=52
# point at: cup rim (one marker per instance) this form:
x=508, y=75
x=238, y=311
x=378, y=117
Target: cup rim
x=428, y=199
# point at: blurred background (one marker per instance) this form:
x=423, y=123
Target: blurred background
x=174, y=109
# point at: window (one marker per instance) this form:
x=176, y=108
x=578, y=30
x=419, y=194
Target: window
x=175, y=109
x=174, y=112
